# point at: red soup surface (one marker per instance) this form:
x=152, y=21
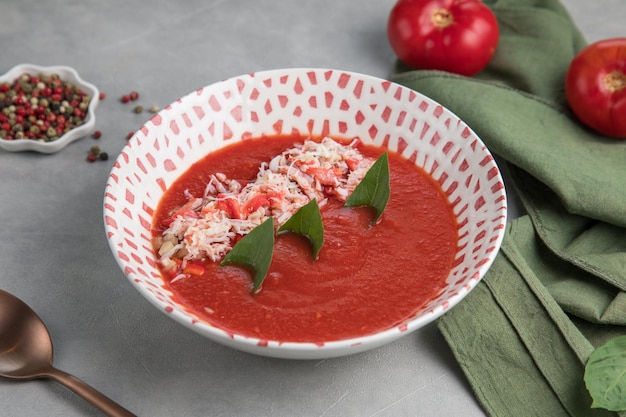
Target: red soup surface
x=366, y=279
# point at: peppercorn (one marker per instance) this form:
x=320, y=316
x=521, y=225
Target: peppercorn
x=138, y=109
x=92, y=157
x=103, y=156
x=97, y=134
x=154, y=109
x=133, y=95
x=130, y=135
x=125, y=99
x=102, y=96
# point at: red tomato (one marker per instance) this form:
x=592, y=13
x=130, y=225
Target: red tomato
x=595, y=87
x=457, y=36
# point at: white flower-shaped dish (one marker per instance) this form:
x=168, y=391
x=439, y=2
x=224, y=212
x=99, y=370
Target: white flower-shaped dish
x=316, y=102
x=66, y=74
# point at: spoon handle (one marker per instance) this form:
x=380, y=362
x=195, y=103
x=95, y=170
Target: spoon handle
x=89, y=394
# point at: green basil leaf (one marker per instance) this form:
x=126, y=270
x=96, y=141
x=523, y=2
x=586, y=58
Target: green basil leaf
x=255, y=251
x=605, y=375
x=307, y=221
x=373, y=190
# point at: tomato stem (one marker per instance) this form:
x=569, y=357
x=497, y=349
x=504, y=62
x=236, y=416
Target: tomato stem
x=615, y=81
x=442, y=18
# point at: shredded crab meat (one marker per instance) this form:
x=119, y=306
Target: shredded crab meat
x=207, y=227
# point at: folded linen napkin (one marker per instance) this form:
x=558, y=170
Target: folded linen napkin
x=557, y=289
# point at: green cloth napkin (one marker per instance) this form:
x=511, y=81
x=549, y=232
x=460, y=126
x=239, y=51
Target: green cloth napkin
x=557, y=289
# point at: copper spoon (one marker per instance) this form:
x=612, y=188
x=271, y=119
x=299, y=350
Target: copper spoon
x=26, y=353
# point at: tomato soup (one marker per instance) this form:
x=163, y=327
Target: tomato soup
x=367, y=278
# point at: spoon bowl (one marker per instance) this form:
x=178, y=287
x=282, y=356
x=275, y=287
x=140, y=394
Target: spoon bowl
x=25, y=347
x=26, y=353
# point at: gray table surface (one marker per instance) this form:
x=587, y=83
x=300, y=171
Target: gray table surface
x=53, y=249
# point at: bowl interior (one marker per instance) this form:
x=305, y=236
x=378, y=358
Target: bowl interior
x=66, y=74
x=306, y=102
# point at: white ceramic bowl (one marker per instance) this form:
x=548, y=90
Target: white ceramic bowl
x=66, y=74
x=319, y=102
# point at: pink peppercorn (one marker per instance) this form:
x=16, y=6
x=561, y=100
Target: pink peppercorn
x=97, y=134
x=33, y=107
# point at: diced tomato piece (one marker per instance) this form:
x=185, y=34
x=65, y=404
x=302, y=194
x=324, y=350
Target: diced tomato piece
x=325, y=176
x=254, y=203
x=352, y=164
x=231, y=206
x=275, y=196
